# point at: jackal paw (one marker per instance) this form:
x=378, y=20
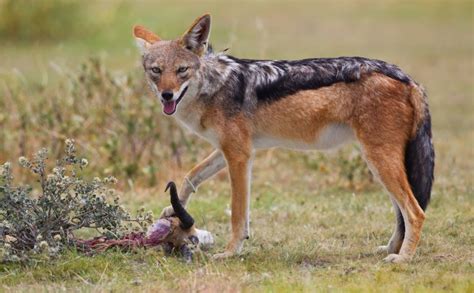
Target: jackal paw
x=396, y=258
x=223, y=255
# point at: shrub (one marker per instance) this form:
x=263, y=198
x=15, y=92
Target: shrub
x=110, y=115
x=46, y=223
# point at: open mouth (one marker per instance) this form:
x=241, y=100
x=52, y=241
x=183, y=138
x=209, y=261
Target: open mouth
x=169, y=107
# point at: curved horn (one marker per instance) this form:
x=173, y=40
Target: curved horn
x=186, y=220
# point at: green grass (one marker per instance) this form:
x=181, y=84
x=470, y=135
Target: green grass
x=322, y=240
x=310, y=232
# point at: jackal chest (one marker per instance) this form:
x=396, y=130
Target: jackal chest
x=192, y=122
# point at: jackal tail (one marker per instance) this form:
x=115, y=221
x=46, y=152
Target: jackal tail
x=419, y=154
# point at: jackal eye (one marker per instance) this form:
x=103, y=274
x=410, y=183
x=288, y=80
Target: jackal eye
x=182, y=69
x=156, y=70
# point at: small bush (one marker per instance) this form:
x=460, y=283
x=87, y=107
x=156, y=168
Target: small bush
x=111, y=116
x=46, y=223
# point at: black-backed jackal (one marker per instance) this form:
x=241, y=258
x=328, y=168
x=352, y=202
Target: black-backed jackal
x=241, y=105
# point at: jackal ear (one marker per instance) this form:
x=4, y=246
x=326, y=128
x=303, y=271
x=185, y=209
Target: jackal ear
x=196, y=37
x=144, y=38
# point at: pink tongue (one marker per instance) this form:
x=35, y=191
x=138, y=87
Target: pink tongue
x=169, y=107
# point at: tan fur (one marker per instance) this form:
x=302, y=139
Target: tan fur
x=418, y=103
x=169, y=81
x=383, y=121
x=237, y=149
x=388, y=163
x=208, y=168
x=375, y=97
x=143, y=33
x=302, y=116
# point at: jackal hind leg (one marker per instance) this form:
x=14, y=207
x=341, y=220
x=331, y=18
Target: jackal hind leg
x=387, y=162
x=395, y=242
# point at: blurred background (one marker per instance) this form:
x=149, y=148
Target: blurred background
x=70, y=69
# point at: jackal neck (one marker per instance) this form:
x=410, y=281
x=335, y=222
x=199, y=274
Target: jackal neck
x=214, y=74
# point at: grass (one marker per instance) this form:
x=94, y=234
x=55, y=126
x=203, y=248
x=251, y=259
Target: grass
x=317, y=240
x=311, y=231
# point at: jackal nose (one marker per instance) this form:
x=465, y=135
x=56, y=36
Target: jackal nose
x=167, y=95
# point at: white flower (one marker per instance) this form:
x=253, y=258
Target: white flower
x=7, y=165
x=57, y=170
x=84, y=163
x=23, y=161
x=69, y=141
x=43, y=245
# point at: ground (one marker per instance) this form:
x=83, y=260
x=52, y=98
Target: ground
x=308, y=232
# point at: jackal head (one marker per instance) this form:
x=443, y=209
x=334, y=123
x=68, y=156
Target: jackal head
x=172, y=67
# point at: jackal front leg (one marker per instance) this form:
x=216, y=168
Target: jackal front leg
x=200, y=173
x=240, y=165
